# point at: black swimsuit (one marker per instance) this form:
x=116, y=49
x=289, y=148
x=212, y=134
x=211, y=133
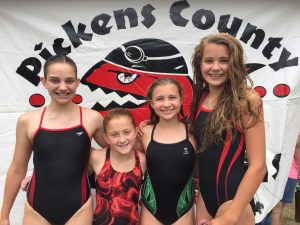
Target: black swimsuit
x=59, y=184
x=221, y=167
x=168, y=191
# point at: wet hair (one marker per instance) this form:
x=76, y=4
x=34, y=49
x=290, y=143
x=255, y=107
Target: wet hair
x=117, y=113
x=233, y=102
x=154, y=118
x=59, y=59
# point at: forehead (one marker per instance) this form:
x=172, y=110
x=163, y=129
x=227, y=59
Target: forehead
x=166, y=89
x=119, y=123
x=213, y=49
x=57, y=69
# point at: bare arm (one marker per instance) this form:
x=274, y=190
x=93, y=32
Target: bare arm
x=99, y=131
x=256, y=154
x=17, y=168
x=297, y=151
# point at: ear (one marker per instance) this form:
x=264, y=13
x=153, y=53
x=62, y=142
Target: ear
x=151, y=104
x=77, y=82
x=43, y=81
x=106, y=138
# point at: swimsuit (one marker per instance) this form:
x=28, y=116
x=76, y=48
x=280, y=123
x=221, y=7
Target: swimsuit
x=117, y=194
x=59, y=185
x=221, y=167
x=168, y=191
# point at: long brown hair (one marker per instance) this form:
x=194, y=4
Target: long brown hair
x=233, y=102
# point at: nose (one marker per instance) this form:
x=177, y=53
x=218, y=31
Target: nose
x=122, y=138
x=166, y=103
x=62, y=86
x=216, y=66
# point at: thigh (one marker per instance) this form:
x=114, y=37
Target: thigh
x=147, y=218
x=246, y=218
x=84, y=216
x=32, y=217
x=187, y=219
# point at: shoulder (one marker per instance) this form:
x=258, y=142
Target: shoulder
x=147, y=135
x=253, y=97
x=97, y=157
x=31, y=117
x=91, y=114
x=148, y=129
x=96, y=153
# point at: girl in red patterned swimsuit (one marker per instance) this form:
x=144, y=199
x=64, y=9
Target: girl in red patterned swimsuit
x=119, y=170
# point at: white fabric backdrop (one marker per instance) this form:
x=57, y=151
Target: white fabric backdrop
x=29, y=27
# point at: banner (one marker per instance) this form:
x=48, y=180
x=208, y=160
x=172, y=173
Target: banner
x=120, y=47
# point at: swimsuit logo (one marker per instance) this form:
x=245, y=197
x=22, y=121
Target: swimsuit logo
x=79, y=133
x=185, y=151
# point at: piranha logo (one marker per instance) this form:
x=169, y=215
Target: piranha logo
x=131, y=68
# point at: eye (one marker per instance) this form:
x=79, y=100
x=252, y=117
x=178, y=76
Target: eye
x=125, y=77
x=224, y=61
x=70, y=81
x=53, y=81
x=114, y=135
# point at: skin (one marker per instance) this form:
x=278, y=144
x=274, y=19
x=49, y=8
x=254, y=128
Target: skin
x=166, y=102
x=214, y=67
x=121, y=136
x=61, y=84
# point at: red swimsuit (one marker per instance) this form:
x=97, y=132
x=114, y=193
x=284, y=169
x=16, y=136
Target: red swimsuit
x=117, y=194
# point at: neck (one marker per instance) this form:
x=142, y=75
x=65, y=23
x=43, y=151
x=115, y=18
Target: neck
x=120, y=157
x=215, y=91
x=59, y=108
x=169, y=124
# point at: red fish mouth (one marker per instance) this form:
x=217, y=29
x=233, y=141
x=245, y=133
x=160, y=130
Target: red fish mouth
x=126, y=86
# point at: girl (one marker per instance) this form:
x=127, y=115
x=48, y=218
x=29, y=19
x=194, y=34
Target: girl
x=227, y=121
x=60, y=137
x=119, y=170
x=167, y=192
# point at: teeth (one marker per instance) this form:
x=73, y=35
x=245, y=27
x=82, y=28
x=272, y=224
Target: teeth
x=113, y=100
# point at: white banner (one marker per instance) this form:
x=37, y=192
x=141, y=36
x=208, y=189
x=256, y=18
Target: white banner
x=161, y=36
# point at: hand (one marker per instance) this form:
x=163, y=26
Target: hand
x=25, y=183
x=140, y=128
x=4, y=221
x=222, y=220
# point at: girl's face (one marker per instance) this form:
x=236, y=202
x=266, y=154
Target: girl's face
x=166, y=101
x=214, y=65
x=61, y=82
x=120, y=134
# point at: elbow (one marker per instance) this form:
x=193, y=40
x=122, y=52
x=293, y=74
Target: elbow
x=261, y=171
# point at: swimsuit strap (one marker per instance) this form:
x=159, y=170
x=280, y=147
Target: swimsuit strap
x=152, y=133
x=80, y=113
x=42, y=117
